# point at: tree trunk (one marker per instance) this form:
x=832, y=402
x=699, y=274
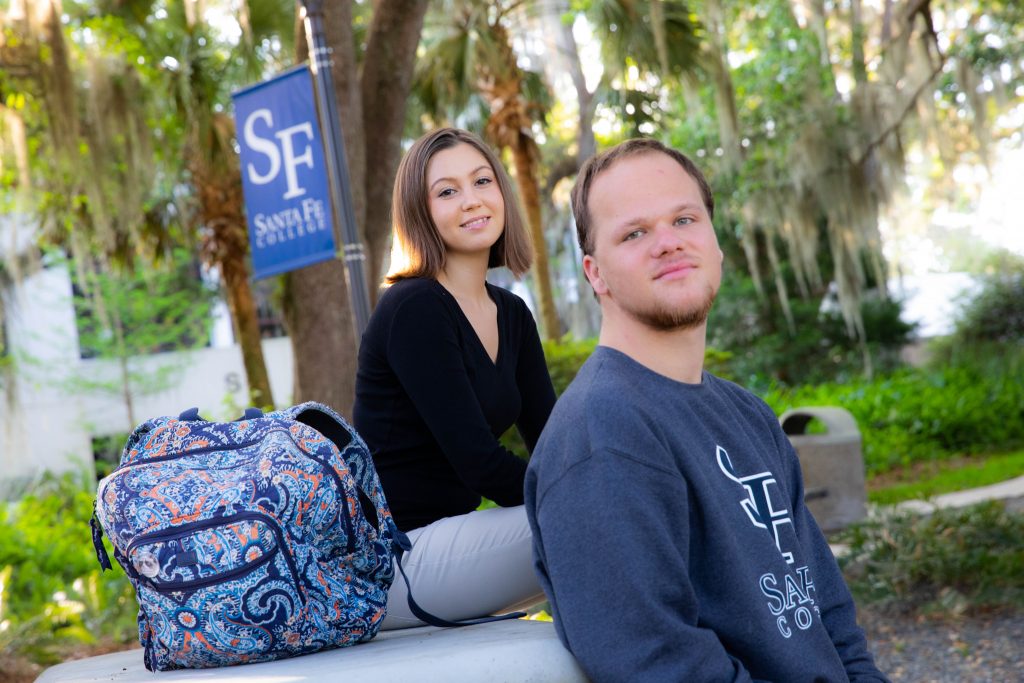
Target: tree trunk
x=387, y=79
x=220, y=207
x=567, y=54
x=857, y=35
x=317, y=310
x=57, y=80
x=886, y=21
x=122, y=365
x=523, y=153
x=508, y=126
x=19, y=142
x=725, y=93
x=319, y=322
x=245, y=316
x=814, y=10
x=780, y=282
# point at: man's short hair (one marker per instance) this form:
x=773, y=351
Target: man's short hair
x=596, y=165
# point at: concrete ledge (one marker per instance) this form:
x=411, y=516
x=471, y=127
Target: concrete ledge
x=517, y=651
x=1009, y=491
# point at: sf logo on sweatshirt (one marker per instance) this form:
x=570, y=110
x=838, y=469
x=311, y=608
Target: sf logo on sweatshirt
x=757, y=501
x=791, y=598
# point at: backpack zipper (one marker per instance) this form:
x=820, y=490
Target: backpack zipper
x=190, y=528
x=185, y=454
x=350, y=541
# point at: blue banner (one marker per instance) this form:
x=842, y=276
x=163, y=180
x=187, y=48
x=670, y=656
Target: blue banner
x=283, y=174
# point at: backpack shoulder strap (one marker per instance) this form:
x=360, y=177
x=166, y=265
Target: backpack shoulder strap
x=402, y=545
x=354, y=452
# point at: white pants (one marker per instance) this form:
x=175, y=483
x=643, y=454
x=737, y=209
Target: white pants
x=467, y=566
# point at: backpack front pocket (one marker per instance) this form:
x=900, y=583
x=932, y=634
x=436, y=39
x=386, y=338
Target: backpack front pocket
x=195, y=555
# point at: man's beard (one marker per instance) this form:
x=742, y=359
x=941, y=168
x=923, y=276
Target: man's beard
x=663, y=319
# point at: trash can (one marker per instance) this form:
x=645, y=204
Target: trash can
x=832, y=464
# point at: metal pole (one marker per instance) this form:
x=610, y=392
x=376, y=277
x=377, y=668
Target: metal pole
x=337, y=166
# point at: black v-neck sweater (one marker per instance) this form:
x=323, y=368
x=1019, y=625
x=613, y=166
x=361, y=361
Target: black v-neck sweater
x=431, y=404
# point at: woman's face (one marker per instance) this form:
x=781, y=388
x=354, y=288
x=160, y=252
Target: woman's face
x=464, y=199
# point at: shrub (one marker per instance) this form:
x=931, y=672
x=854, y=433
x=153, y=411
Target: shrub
x=916, y=415
x=974, y=402
x=565, y=358
x=947, y=561
x=996, y=312
x=820, y=349
x=53, y=596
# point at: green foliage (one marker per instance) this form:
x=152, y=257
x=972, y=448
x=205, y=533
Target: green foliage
x=919, y=415
x=465, y=53
x=905, y=417
x=106, y=451
x=996, y=313
x=764, y=350
x=53, y=596
x=809, y=149
x=565, y=358
x=948, y=561
x=126, y=316
x=627, y=35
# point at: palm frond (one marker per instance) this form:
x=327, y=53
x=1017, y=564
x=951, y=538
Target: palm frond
x=625, y=30
x=268, y=38
x=445, y=73
x=537, y=93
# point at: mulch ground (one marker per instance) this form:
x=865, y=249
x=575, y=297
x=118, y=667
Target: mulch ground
x=976, y=648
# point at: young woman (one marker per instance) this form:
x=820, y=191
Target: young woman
x=447, y=364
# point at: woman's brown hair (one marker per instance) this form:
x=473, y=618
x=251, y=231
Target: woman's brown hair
x=418, y=250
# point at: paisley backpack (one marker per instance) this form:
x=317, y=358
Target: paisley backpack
x=257, y=539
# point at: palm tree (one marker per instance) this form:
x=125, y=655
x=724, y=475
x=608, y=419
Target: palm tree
x=198, y=74
x=469, y=52
x=213, y=169
x=656, y=37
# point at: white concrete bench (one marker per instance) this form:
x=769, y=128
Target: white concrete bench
x=514, y=651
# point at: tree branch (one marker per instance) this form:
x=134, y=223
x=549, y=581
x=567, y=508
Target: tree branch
x=563, y=168
x=880, y=138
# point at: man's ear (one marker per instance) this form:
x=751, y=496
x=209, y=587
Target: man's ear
x=593, y=273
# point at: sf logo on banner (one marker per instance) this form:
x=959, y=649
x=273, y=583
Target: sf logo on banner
x=284, y=178
x=278, y=149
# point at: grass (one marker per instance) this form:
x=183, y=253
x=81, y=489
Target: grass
x=931, y=479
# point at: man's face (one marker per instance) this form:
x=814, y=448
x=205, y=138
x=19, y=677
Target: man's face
x=655, y=256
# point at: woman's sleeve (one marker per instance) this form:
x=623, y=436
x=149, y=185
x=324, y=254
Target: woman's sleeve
x=424, y=352
x=534, y=381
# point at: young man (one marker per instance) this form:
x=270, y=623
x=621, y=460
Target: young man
x=670, y=533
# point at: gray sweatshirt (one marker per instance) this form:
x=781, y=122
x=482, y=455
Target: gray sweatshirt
x=672, y=540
